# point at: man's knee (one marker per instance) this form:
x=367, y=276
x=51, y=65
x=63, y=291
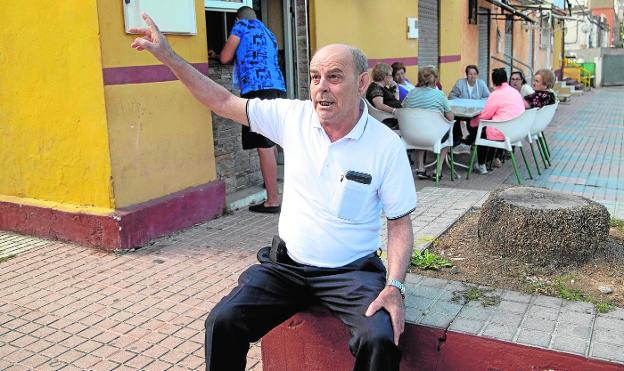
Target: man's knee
x=375, y=334
x=223, y=317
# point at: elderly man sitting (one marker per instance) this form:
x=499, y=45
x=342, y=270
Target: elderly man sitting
x=342, y=168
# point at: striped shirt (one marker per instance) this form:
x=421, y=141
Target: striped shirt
x=427, y=98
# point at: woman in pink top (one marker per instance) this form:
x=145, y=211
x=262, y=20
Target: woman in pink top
x=504, y=103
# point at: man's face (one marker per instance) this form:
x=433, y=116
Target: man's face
x=334, y=88
x=472, y=75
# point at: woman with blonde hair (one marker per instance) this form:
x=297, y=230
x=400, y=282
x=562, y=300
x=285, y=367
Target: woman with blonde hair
x=543, y=82
x=383, y=94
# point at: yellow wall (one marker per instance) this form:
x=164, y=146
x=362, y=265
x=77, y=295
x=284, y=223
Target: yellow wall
x=557, y=46
x=522, y=42
x=453, y=16
x=160, y=137
x=52, y=116
x=375, y=27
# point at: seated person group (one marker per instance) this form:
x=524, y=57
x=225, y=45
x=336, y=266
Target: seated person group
x=391, y=90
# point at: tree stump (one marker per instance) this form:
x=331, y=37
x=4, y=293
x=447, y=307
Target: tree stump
x=542, y=227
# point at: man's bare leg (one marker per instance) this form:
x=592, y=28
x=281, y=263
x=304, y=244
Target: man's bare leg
x=268, y=167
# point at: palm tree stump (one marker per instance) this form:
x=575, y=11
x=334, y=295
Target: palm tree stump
x=542, y=227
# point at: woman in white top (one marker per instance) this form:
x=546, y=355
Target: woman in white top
x=518, y=82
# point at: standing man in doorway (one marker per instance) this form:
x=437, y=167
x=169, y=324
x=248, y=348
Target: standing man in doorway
x=259, y=76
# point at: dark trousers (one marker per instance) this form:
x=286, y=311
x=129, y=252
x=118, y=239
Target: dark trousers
x=487, y=154
x=271, y=292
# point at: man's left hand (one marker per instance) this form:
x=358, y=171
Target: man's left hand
x=390, y=299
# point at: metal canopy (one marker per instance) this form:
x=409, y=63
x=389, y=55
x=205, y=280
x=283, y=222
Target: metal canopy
x=513, y=11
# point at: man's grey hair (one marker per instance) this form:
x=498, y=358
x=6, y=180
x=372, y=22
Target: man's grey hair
x=245, y=12
x=359, y=60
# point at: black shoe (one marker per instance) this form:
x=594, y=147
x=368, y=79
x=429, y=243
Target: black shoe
x=422, y=175
x=433, y=177
x=261, y=208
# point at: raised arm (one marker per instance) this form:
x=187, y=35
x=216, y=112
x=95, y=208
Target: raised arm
x=208, y=92
x=400, y=245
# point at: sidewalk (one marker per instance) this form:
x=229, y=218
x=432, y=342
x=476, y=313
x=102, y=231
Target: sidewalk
x=68, y=307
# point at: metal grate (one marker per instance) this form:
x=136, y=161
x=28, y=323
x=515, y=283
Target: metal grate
x=12, y=244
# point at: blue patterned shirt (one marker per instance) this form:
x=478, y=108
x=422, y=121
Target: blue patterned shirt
x=256, y=57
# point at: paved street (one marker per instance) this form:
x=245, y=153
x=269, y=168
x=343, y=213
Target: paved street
x=67, y=307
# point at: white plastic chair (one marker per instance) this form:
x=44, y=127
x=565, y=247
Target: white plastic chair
x=543, y=118
x=378, y=114
x=423, y=129
x=514, y=131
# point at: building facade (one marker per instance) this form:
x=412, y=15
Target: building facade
x=104, y=147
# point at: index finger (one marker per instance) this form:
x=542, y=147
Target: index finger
x=149, y=21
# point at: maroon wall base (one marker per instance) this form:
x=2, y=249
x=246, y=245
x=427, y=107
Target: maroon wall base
x=315, y=340
x=124, y=228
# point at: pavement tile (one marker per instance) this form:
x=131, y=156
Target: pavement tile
x=121, y=356
x=532, y=323
x=580, y=318
x=466, y=325
x=577, y=306
x=139, y=362
x=437, y=319
x=611, y=336
x=33, y=362
x=547, y=301
x=499, y=331
x=513, y=306
x=606, y=351
x=573, y=329
x=570, y=344
x=534, y=337
x=475, y=311
x=506, y=318
x=537, y=311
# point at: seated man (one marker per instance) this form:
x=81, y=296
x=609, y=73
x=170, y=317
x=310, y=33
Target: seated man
x=427, y=96
x=383, y=94
x=505, y=103
x=343, y=168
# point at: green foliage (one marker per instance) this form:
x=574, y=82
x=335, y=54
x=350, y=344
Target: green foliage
x=617, y=223
x=476, y=294
x=559, y=288
x=5, y=258
x=427, y=260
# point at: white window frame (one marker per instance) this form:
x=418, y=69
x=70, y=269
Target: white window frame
x=225, y=6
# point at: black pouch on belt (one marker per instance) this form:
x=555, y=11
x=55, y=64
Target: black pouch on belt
x=278, y=252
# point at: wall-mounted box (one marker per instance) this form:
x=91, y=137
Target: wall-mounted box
x=412, y=28
x=171, y=16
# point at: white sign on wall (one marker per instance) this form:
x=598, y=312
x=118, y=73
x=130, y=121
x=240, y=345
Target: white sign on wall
x=171, y=16
x=412, y=28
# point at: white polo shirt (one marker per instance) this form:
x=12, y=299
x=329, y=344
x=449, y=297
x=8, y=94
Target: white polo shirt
x=314, y=223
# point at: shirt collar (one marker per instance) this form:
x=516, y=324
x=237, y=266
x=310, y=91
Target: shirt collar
x=357, y=130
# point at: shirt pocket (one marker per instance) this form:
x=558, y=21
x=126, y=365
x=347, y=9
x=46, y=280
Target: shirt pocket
x=350, y=200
